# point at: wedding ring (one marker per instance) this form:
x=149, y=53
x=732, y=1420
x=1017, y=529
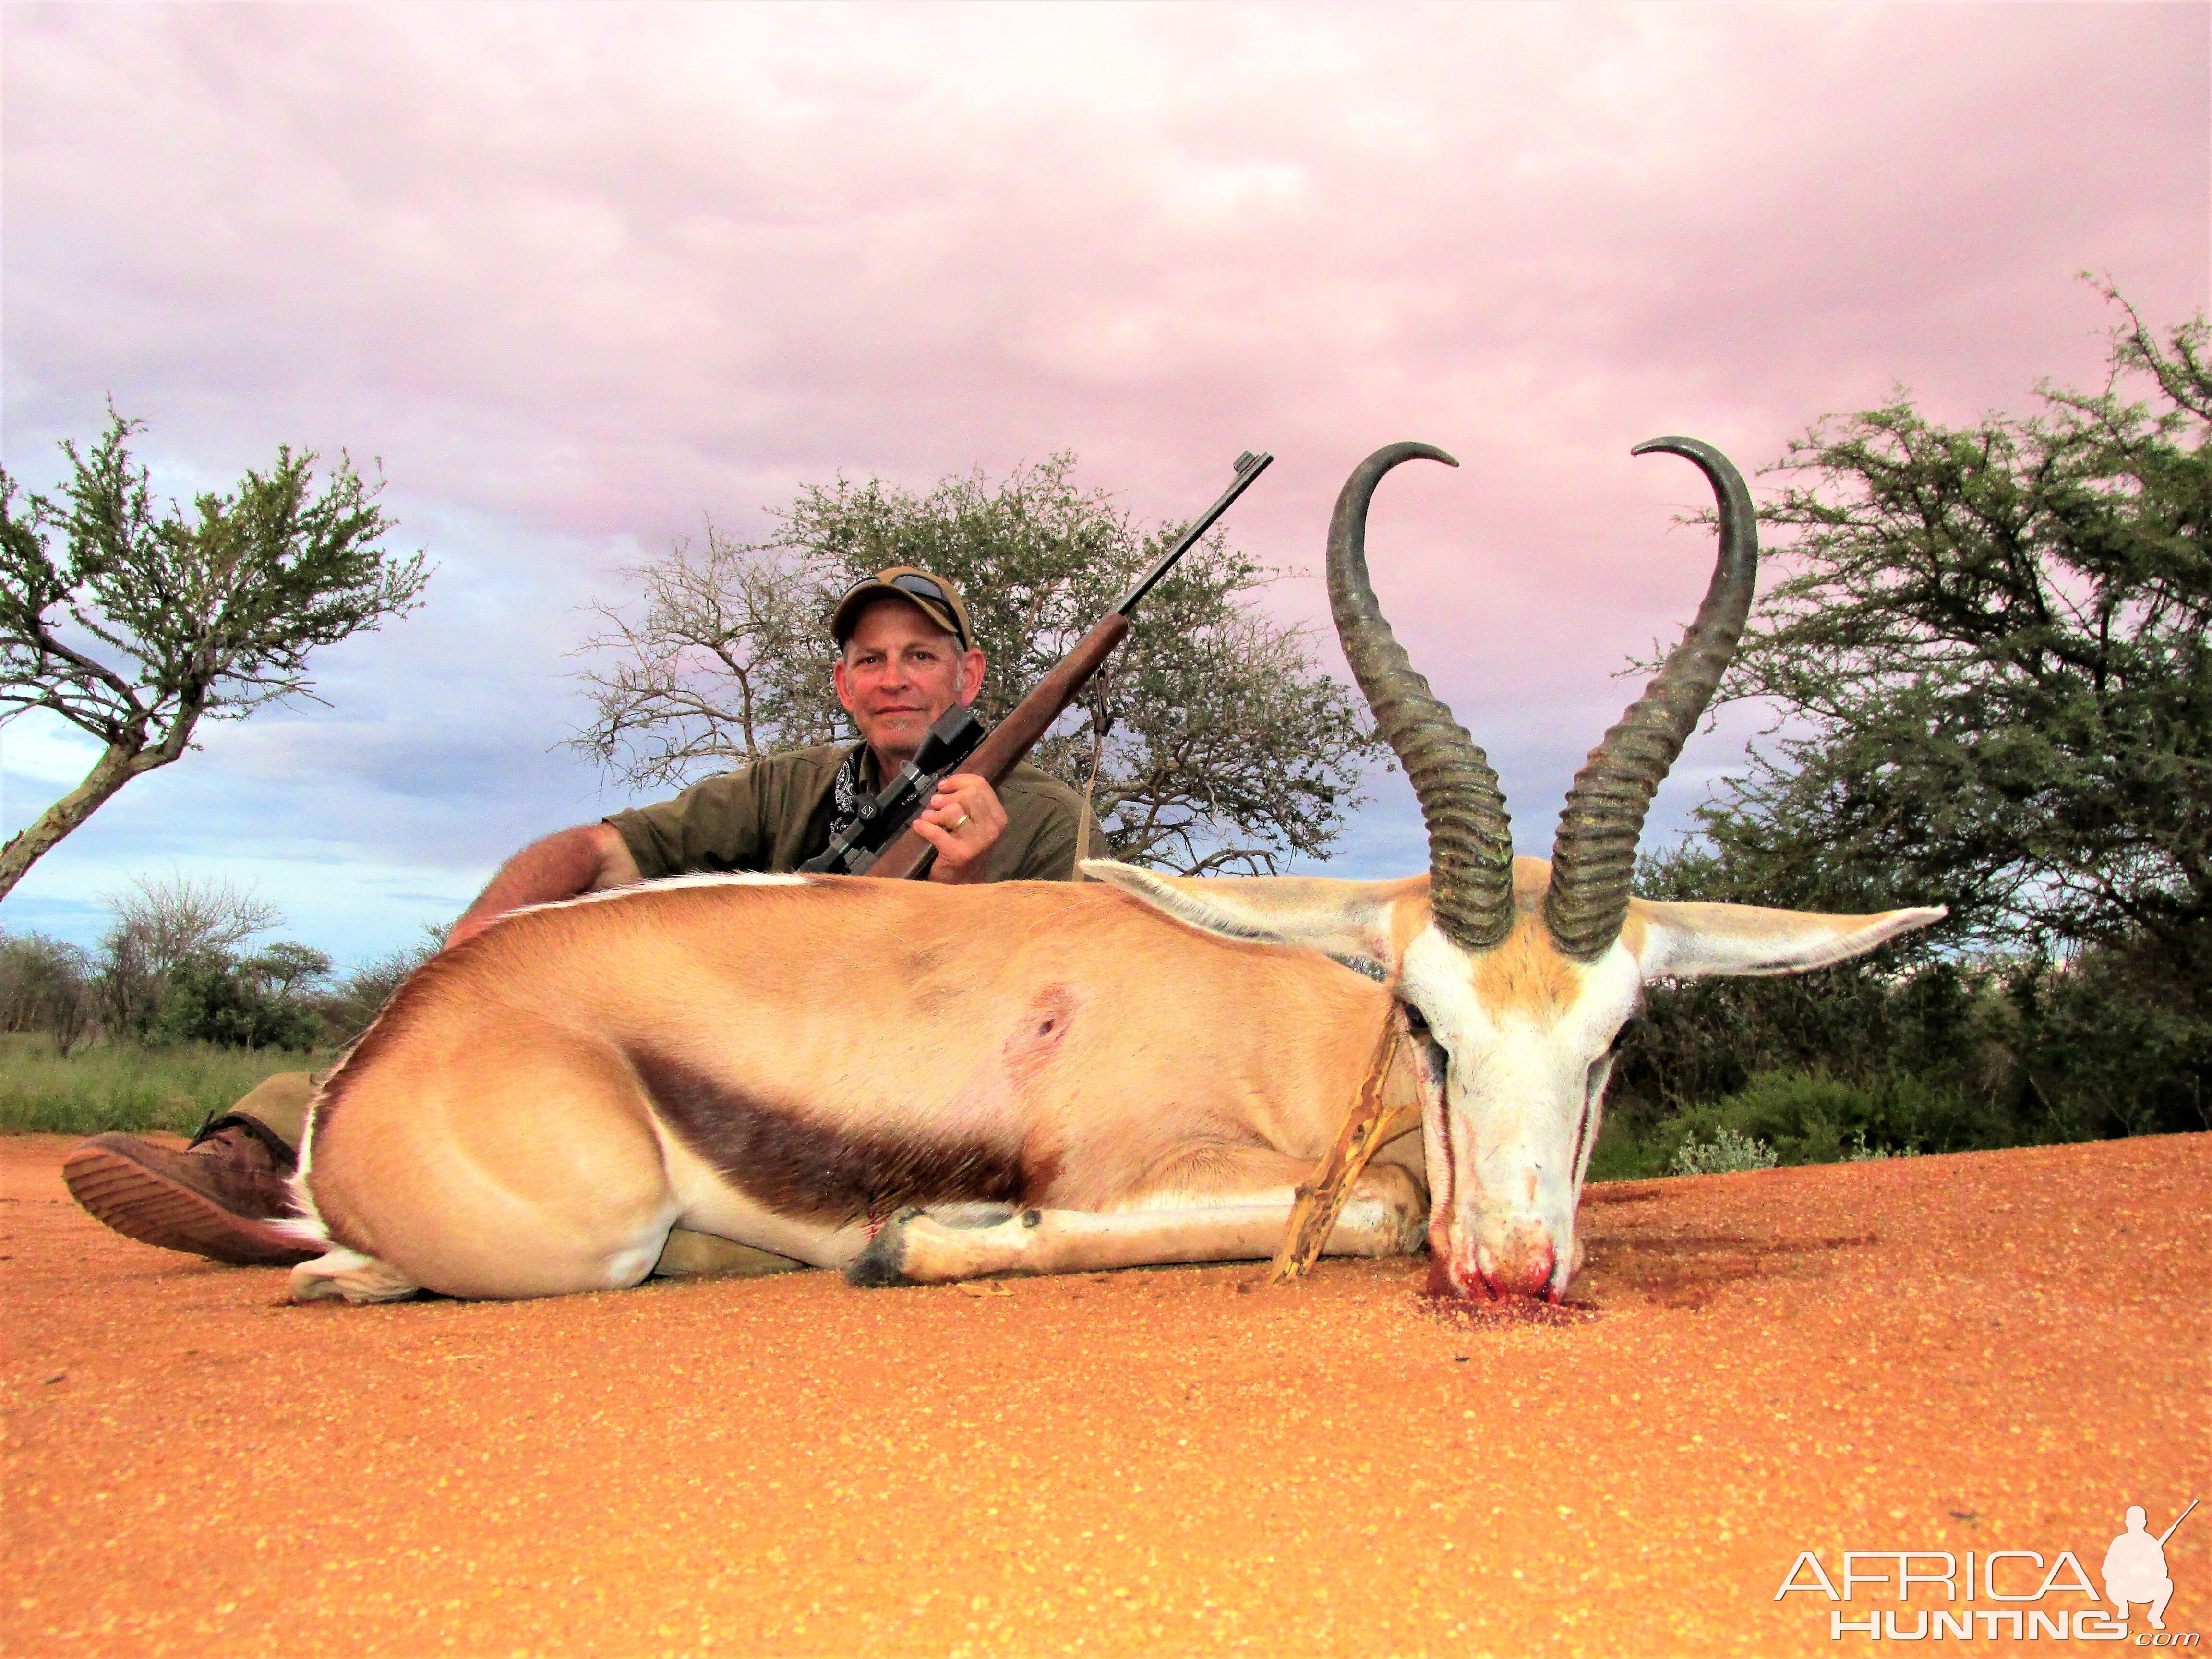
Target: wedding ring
x=961, y=823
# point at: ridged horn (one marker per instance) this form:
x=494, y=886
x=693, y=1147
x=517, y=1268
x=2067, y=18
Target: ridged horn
x=1593, y=855
x=1470, y=841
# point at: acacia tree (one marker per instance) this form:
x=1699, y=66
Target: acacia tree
x=1218, y=742
x=46, y=985
x=159, y=925
x=151, y=622
x=723, y=664
x=1989, y=653
x=1992, y=654
x=159, y=922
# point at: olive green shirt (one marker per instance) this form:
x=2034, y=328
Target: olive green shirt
x=764, y=818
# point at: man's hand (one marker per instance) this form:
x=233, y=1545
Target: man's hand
x=964, y=821
x=588, y=859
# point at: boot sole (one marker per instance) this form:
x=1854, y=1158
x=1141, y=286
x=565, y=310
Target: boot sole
x=145, y=1205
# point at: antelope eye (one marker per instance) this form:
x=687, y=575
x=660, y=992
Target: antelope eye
x=1416, y=1021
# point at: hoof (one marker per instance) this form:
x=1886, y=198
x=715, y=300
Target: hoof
x=883, y=1264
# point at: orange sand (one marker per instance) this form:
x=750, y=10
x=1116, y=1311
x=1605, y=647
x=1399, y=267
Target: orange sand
x=1998, y=1351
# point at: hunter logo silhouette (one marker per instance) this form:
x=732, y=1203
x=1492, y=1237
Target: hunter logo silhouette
x=2135, y=1565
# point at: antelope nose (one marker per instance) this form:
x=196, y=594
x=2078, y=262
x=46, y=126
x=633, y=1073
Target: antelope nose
x=1520, y=1263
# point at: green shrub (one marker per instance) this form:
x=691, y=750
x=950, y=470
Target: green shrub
x=1727, y=1153
x=125, y=1085
x=210, y=997
x=1626, y=1152
x=46, y=985
x=361, y=995
x=1862, y=1153
x=1812, y=1118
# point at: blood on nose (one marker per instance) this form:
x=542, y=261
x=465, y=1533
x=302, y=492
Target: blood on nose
x=1524, y=1267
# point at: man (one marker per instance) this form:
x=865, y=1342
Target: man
x=906, y=654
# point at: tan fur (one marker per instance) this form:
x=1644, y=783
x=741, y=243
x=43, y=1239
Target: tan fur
x=1526, y=974
x=1635, y=929
x=492, y=1136
x=794, y=1065
x=1384, y=1215
x=1409, y=914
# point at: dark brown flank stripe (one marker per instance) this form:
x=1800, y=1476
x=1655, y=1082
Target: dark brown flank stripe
x=786, y=1162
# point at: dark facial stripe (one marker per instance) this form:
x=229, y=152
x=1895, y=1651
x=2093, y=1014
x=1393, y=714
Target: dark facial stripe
x=787, y=1161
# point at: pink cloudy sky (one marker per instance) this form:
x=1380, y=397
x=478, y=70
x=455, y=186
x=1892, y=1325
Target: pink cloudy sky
x=580, y=275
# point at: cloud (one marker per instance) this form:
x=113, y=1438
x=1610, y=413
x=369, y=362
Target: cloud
x=579, y=274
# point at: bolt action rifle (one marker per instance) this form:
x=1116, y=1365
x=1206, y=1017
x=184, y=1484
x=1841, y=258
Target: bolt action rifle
x=882, y=841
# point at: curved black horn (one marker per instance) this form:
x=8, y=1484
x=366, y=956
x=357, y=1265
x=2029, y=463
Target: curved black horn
x=1470, y=841
x=1593, y=855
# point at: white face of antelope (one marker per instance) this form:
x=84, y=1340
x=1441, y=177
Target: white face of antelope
x=1525, y=1033
x=1528, y=1035
x=1528, y=1039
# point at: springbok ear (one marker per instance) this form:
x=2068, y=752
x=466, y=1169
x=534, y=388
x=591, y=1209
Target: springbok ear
x=1343, y=918
x=1688, y=941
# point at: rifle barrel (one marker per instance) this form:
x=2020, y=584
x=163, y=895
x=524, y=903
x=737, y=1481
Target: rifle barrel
x=1248, y=467
x=2177, y=1520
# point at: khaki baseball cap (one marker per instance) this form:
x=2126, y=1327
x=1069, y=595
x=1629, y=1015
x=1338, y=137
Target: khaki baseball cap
x=934, y=597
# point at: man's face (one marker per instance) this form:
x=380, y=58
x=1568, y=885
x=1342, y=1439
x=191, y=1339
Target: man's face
x=899, y=672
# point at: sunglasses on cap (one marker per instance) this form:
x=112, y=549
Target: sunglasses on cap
x=922, y=587
x=910, y=583
x=929, y=595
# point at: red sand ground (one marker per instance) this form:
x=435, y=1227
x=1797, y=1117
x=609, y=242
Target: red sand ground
x=1999, y=1351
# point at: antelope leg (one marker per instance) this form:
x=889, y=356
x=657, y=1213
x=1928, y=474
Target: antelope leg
x=1386, y=1216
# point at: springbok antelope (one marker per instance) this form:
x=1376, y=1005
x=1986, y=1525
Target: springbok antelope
x=916, y=1083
